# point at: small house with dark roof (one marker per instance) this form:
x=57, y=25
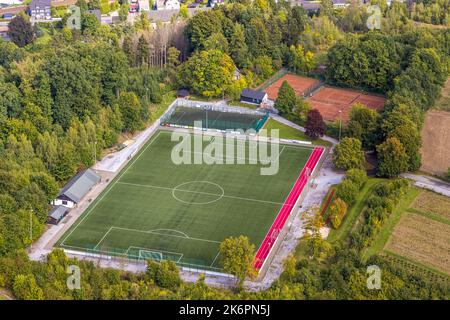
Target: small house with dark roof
x=255, y=97
x=75, y=190
x=182, y=93
x=57, y=214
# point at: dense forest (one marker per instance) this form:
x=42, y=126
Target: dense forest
x=66, y=95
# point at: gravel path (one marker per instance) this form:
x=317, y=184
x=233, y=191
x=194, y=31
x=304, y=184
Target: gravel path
x=429, y=183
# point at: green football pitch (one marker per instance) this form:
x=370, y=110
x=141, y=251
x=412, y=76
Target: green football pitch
x=155, y=209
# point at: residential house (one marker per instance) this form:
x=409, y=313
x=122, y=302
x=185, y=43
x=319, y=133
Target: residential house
x=40, y=9
x=213, y=3
x=167, y=5
x=339, y=4
x=75, y=190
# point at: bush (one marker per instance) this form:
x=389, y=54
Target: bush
x=358, y=176
x=164, y=274
x=338, y=209
x=347, y=191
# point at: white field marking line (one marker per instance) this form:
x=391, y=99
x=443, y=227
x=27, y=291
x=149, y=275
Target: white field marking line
x=85, y=215
x=85, y=250
x=226, y=157
x=154, y=250
x=163, y=234
x=184, y=234
x=282, y=149
x=215, y=120
x=199, y=192
x=215, y=258
x=104, y=236
x=159, y=253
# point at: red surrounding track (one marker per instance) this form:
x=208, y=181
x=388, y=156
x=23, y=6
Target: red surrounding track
x=286, y=209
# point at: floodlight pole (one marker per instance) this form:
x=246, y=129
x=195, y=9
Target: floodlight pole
x=340, y=124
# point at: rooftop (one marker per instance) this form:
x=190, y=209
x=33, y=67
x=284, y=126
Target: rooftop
x=79, y=185
x=253, y=94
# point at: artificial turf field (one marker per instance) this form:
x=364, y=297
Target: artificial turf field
x=187, y=116
x=159, y=210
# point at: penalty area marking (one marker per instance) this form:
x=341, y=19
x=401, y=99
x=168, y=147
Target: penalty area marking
x=156, y=251
x=184, y=236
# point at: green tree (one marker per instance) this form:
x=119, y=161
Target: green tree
x=263, y=66
x=357, y=176
x=348, y=154
x=326, y=8
x=238, y=47
x=208, y=73
x=26, y=288
x=364, y=125
x=217, y=41
x=286, y=100
x=123, y=11
x=89, y=23
x=300, y=59
x=237, y=256
x=142, y=51
x=392, y=158
x=165, y=274
x=347, y=191
x=131, y=110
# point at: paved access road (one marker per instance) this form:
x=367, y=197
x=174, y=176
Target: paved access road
x=430, y=183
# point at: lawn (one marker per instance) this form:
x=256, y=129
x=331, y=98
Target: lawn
x=157, y=110
x=287, y=132
x=157, y=209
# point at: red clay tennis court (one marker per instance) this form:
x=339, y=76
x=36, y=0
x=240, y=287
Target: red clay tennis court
x=301, y=85
x=329, y=101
